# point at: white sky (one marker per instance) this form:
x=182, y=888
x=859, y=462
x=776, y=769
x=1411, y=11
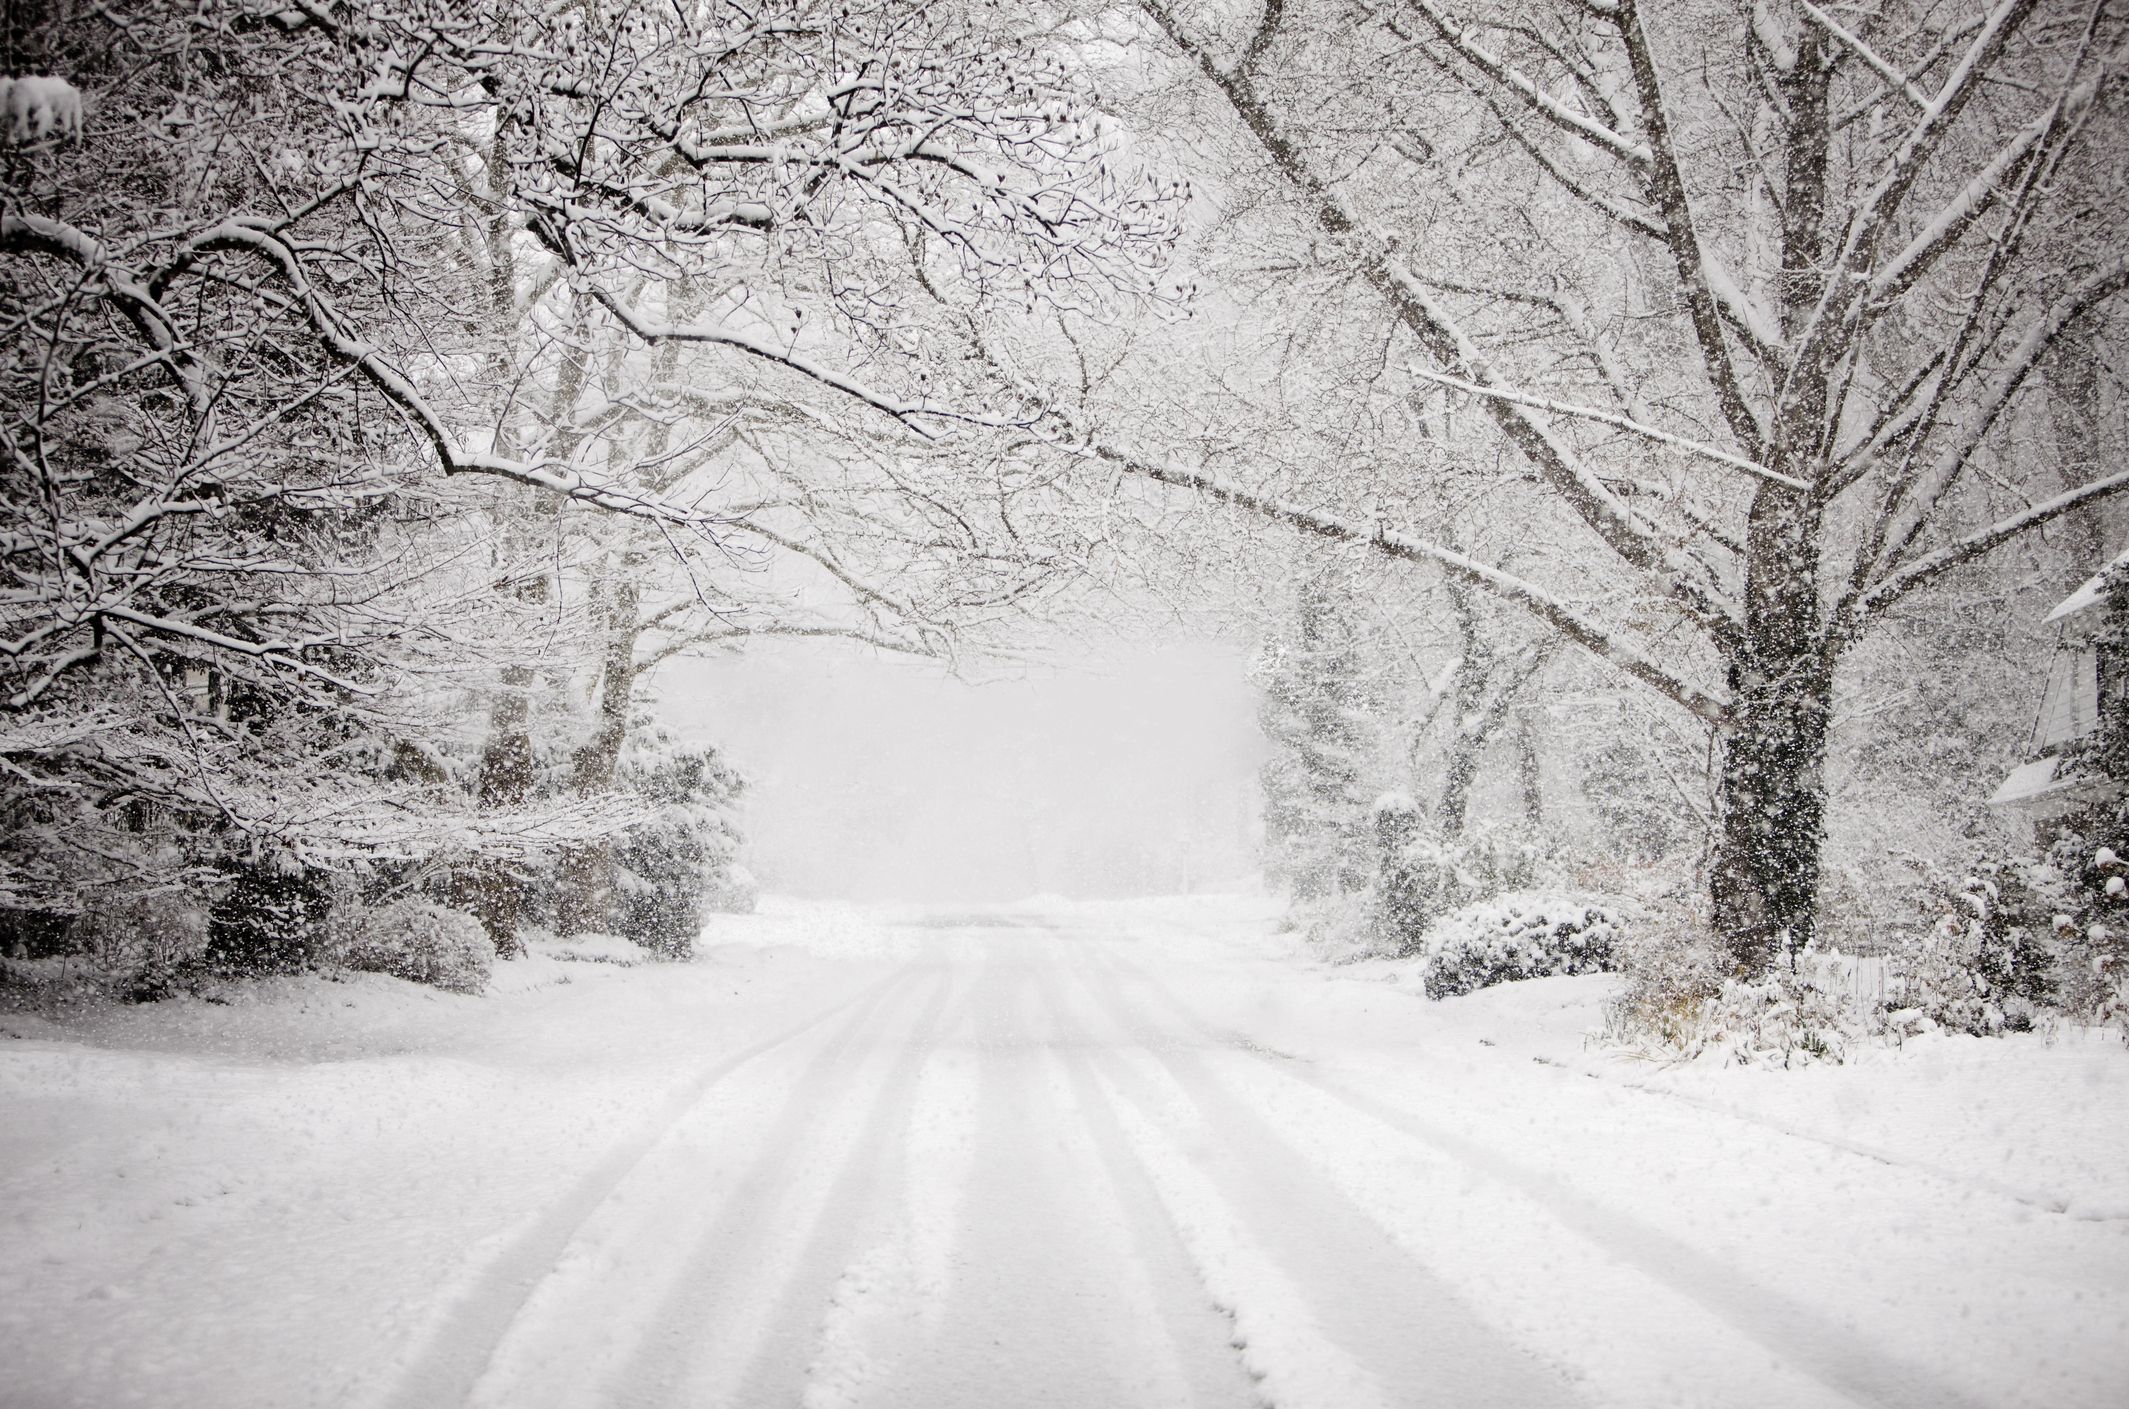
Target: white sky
x=1127, y=771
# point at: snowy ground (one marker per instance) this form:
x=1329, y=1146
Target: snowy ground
x=1055, y=1155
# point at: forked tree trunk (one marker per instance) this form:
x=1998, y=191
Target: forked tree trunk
x=1483, y=692
x=1771, y=794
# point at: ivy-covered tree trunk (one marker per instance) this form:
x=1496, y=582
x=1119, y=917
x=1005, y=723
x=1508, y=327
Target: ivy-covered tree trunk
x=1771, y=790
x=1773, y=800
x=1771, y=794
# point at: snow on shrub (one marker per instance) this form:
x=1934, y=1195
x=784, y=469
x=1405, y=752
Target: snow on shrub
x=1790, y=1018
x=666, y=868
x=418, y=940
x=39, y=105
x=1517, y=937
x=148, y=946
x=736, y=893
x=1681, y=1000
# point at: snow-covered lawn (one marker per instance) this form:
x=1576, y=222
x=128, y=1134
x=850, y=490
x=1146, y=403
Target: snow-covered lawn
x=1131, y=1153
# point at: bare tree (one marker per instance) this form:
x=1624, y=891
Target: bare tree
x=273, y=266
x=1756, y=294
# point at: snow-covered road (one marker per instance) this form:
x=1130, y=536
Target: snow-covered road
x=1066, y=1157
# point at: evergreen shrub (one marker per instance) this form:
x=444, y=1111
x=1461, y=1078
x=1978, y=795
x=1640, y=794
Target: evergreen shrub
x=1518, y=937
x=267, y=919
x=419, y=940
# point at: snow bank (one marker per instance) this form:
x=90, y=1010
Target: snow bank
x=269, y=1197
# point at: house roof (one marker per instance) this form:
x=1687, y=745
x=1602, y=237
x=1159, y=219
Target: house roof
x=2027, y=780
x=2087, y=596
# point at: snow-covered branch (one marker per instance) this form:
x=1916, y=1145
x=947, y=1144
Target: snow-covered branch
x=1607, y=418
x=1528, y=596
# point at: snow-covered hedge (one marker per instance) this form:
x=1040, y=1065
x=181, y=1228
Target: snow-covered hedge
x=666, y=869
x=146, y=947
x=1517, y=937
x=735, y=893
x=418, y=940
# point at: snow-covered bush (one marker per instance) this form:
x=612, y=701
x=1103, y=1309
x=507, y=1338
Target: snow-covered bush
x=1672, y=972
x=1988, y=963
x=1789, y=1018
x=1981, y=968
x=419, y=940
x=2083, y=886
x=664, y=870
x=1517, y=937
x=736, y=892
x=147, y=946
x=267, y=919
x=2021, y=943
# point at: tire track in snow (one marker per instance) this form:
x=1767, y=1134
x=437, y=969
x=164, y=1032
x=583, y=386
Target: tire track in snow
x=586, y=1326
x=852, y=1251
x=1334, y=1314
x=1052, y=1301
x=889, y=1305
x=740, y=1305
x=462, y=1341
x=1820, y=1347
x=1188, y=1299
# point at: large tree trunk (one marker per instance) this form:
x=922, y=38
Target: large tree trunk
x=1772, y=787
x=1773, y=801
x=1454, y=810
